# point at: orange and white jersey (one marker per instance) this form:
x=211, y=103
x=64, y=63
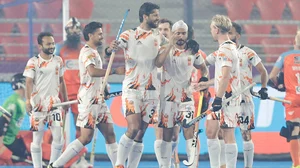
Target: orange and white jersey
x=141, y=48
x=45, y=75
x=248, y=58
x=177, y=72
x=227, y=55
x=89, y=90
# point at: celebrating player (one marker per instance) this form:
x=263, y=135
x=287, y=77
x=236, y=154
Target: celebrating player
x=176, y=99
x=226, y=83
x=92, y=109
x=248, y=58
x=44, y=80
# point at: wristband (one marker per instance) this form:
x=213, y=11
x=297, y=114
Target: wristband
x=106, y=52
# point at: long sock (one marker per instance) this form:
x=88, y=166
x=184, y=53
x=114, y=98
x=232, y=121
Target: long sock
x=36, y=155
x=222, y=153
x=248, y=153
x=124, y=148
x=55, y=151
x=157, y=146
x=112, y=150
x=174, y=145
x=231, y=152
x=36, y=149
x=166, y=154
x=190, y=151
x=294, y=147
x=214, y=150
x=135, y=155
x=72, y=150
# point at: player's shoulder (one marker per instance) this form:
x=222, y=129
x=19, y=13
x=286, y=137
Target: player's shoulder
x=227, y=45
x=290, y=53
x=213, y=54
x=246, y=50
x=57, y=58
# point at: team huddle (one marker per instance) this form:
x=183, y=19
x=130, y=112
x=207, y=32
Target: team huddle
x=166, y=74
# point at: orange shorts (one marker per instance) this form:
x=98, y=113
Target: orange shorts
x=292, y=111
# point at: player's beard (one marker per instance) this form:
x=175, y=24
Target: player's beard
x=73, y=41
x=48, y=51
x=98, y=43
x=180, y=42
x=152, y=24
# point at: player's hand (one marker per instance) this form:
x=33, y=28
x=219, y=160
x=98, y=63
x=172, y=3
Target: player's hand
x=113, y=46
x=120, y=71
x=201, y=86
x=217, y=104
x=28, y=108
x=193, y=46
x=263, y=92
x=5, y=155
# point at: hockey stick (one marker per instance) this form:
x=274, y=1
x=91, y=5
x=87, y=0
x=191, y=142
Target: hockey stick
x=92, y=156
x=256, y=94
x=187, y=125
x=191, y=159
x=4, y=111
x=113, y=94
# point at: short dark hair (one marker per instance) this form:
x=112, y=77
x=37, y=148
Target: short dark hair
x=146, y=9
x=237, y=28
x=166, y=21
x=190, y=32
x=42, y=35
x=90, y=28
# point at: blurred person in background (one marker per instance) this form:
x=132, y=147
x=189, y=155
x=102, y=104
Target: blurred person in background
x=289, y=81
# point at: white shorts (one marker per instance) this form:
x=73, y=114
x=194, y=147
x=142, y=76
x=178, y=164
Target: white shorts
x=172, y=113
x=87, y=114
x=228, y=116
x=38, y=120
x=246, y=116
x=144, y=102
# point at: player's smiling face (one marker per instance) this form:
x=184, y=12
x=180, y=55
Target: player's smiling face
x=48, y=45
x=97, y=37
x=153, y=18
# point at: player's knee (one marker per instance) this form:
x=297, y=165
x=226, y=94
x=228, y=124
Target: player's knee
x=86, y=139
x=132, y=132
x=211, y=133
x=110, y=137
x=188, y=132
x=246, y=135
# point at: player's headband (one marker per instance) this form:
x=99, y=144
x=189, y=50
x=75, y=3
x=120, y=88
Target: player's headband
x=179, y=24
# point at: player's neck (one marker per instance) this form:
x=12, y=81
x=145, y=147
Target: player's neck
x=45, y=56
x=91, y=45
x=222, y=38
x=145, y=26
x=21, y=93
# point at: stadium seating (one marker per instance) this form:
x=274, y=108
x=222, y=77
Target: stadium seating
x=56, y=28
x=256, y=29
x=294, y=6
x=24, y=27
x=270, y=10
x=18, y=11
x=288, y=30
x=6, y=27
x=81, y=9
x=48, y=9
x=218, y=2
x=273, y=47
x=239, y=9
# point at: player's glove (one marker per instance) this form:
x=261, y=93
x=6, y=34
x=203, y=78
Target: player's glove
x=193, y=46
x=203, y=79
x=217, y=104
x=263, y=92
